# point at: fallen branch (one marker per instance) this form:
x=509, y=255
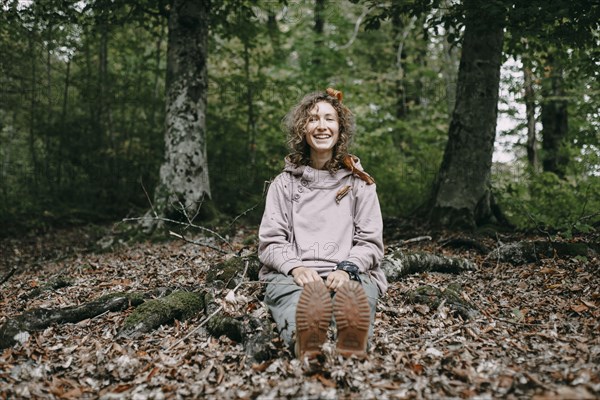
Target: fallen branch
x=8, y=275
x=526, y=252
x=210, y=246
x=178, y=305
x=40, y=318
x=434, y=297
x=415, y=239
x=186, y=224
x=399, y=264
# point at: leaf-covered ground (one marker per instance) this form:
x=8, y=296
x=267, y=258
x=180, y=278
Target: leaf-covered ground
x=537, y=334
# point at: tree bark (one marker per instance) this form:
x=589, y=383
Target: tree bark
x=32, y=116
x=63, y=124
x=532, y=156
x=450, y=69
x=401, y=28
x=40, y=318
x=274, y=35
x=531, y=251
x=318, y=28
x=183, y=180
x=251, y=114
x=554, y=119
x=398, y=264
x=461, y=196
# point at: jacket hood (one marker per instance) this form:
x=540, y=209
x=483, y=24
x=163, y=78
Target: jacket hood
x=319, y=176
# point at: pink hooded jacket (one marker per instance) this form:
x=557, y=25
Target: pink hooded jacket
x=303, y=225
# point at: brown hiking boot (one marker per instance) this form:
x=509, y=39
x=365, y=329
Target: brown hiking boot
x=352, y=317
x=313, y=316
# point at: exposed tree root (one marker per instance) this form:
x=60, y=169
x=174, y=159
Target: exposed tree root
x=526, y=252
x=433, y=297
x=178, y=305
x=41, y=318
x=465, y=242
x=399, y=264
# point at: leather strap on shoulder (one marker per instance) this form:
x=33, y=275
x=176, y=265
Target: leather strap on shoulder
x=350, y=163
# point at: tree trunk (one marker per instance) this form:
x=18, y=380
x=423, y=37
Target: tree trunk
x=461, y=196
x=554, y=120
x=251, y=120
x=319, y=20
x=63, y=124
x=318, y=49
x=32, y=117
x=274, y=35
x=183, y=178
x=530, y=111
x=451, y=62
x=400, y=32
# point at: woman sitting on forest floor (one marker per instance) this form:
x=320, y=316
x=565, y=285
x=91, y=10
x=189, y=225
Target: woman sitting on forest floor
x=320, y=239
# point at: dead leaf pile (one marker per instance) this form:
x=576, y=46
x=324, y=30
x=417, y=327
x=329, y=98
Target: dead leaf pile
x=536, y=335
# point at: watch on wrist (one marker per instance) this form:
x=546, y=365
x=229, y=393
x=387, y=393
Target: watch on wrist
x=350, y=268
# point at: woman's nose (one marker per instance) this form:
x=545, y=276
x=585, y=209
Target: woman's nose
x=321, y=124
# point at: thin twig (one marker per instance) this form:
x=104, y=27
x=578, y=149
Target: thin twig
x=148, y=197
x=244, y=213
x=177, y=235
x=516, y=322
x=416, y=239
x=8, y=275
x=183, y=224
x=539, y=228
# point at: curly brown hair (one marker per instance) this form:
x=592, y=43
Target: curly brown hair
x=295, y=124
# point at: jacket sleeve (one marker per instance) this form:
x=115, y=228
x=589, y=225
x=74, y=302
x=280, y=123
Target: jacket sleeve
x=367, y=244
x=275, y=248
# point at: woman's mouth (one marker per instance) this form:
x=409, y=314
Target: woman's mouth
x=322, y=136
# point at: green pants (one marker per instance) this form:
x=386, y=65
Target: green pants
x=282, y=296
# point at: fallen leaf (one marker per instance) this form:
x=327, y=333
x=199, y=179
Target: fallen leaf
x=417, y=369
x=590, y=304
x=325, y=381
x=579, y=308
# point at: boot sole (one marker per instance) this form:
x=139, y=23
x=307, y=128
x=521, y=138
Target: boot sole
x=313, y=316
x=353, y=318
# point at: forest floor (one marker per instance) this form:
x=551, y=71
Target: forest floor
x=536, y=336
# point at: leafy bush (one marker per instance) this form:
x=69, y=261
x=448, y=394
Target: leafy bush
x=547, y=202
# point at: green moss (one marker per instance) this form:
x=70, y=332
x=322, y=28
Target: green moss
x=153, y=313
x=226, y=271
x=250, y=240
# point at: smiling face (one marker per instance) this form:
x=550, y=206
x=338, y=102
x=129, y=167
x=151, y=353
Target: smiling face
x=322, y=129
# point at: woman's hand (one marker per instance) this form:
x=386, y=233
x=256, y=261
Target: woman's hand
x=304, y=275
x=336, y=279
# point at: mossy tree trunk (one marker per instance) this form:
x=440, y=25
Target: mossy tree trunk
x=41, y=318
x=183, y=180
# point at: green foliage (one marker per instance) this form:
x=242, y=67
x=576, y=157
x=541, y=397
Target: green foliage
x=82, y=105
x=544, y=201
